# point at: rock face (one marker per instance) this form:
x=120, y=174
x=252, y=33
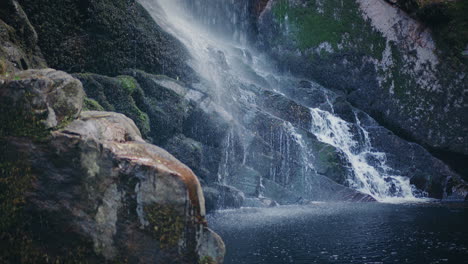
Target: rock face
x=35, y=100
x=185, y=121
x=18, y=39
x=386, y=62
x=98, y=184
x=104, y=37
x=175, y=117
x=121, y=94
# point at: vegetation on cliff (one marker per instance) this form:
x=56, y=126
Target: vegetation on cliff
x=104, y=37
x=323, y=22
x=448, y=21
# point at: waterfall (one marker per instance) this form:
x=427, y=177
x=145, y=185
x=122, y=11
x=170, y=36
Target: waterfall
x=370, y=172
x=287, y=154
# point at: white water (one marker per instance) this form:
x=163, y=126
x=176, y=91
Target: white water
x=223, y=76
x=374, y=179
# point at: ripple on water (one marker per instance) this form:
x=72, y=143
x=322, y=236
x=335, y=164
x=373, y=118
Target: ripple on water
x=423, y=233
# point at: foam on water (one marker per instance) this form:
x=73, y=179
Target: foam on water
x=374, y=179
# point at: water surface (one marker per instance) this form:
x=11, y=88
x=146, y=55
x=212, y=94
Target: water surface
x=345, y=233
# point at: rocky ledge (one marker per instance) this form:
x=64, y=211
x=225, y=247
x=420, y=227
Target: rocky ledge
x=87, y=187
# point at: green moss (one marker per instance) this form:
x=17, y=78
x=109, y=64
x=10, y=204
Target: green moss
x=449, y=24
x=337, y=19
x=15, y=180
x=20, y=123
x=281, y=9
x=3, y=66
x=104, y=37
x=166, y=224
x=92, y=105
x=398, y=80
x=121, y=94
x=25, y=236
x=128, y=83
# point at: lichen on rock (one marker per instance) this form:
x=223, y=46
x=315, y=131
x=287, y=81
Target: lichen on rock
x=96, y=182
x=35, y=101
x=165, y=223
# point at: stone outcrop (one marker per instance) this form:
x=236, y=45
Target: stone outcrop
x=18, y=40
x=104, y=37
x=99, y=187
x=39, y=100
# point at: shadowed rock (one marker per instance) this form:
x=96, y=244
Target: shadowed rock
x=39, y=99
x=101, y=188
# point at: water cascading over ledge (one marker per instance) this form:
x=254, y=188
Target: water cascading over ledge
x=288, y=139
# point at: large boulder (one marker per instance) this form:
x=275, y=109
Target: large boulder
x=102, y=193
x=36, y=100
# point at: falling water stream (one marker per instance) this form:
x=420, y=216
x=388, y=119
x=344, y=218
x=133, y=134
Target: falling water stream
x=233, y=75
x=270, y=151
x=372, y=179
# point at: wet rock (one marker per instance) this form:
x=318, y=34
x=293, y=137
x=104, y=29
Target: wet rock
x=456, y=190
x=38, y=100
x=188, y=150
x=211, y=247
x=223, y=197
x=212, y=196
x=286, y=109
x=331, y=163
x=120, y=94
x=260, y=202
x=246, y=179
x=399, y=78
x=98, y=184
x=116, y=191
x=426, y=172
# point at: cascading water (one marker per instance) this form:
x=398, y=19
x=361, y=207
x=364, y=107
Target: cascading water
x=371, y=178
x=290, y=151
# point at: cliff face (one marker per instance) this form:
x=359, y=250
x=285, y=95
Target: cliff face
x=104, y=37
x=386, y=62
x=100, y=191
x=18, y=39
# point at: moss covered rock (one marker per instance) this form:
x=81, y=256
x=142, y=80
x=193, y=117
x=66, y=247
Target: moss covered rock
x=101, y=188
x=104, y=37
x=18, y=40
x=120, y=94
x=34, y=101
x=92, y=105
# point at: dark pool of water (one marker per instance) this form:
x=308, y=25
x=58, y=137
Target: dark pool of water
x=345, y=233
